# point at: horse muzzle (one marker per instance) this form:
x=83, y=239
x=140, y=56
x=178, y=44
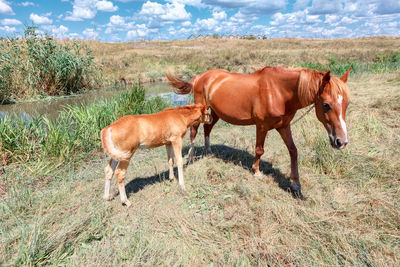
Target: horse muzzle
x=337, y=142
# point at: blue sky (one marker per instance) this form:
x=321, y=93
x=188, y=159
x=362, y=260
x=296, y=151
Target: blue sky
x=127, y=20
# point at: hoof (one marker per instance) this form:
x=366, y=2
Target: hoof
x=127, y=203
x=296, y=190
x=258, y=175
x=108, y=198
x=209, y=152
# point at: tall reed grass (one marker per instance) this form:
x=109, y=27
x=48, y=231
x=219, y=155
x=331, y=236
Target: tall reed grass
x=75, y=131
x=38, y=65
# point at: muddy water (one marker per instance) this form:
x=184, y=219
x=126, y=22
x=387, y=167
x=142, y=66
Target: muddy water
x=53, y=106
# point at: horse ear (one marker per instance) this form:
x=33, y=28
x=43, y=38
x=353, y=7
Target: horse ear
x=326, y=78
x=345, y=76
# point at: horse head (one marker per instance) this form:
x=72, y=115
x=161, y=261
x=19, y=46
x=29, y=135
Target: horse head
x=330, y=107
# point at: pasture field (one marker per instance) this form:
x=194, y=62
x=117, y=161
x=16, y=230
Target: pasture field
x=52, y=211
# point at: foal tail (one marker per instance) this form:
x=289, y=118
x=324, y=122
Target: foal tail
x=181, y=87
x=110, y=148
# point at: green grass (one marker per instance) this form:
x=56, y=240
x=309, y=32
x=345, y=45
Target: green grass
x=384, y=63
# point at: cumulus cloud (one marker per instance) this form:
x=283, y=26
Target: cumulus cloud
x=40, y=19
x=249, y=6
x=5, y=8
x=106, y=6
x=90, y=34
x=10, y=22
x=87, y=9
x=388, y=7
x=321, y=7
x=139, y=31
x=117, y=20
x=174, y=11
x=8, y=29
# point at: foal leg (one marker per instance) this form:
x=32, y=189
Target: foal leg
x=120, y=175
x=109, y=171
x=286, y=135
x=193, y=133
x=177, y=145
x=207, y=131
x=170, y=153
x=261, y=133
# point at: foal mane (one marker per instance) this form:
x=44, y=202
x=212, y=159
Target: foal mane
x=310, y=82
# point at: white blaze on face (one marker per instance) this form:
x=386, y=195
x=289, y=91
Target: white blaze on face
x=342, y=122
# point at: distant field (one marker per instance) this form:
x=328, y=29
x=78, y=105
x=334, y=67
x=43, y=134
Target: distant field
x=147, y=61
x=52, y=211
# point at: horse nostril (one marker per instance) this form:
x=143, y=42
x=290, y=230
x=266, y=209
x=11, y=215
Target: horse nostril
x=338, y=142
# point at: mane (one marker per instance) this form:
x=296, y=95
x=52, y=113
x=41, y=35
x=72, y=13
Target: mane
x=310, y=82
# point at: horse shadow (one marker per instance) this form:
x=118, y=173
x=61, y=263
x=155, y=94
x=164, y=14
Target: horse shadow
x=245, y=160
x=237, y=156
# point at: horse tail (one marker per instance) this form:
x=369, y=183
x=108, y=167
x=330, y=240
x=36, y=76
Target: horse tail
x=180, y=86
x=110, y=148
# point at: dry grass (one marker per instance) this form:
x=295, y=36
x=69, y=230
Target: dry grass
x=351, y=214
x=148, y=61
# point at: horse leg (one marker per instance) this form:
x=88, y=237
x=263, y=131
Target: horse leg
x=286, y=134
x=170, y=153
x=120, y=175
x=177, y=146
x=261, y=133
x=207, y=131
x=109, y=172
x=193, y=133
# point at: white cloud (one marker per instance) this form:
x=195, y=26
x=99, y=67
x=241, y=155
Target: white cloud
x=8, y=29
x=321, y=7
x=10, y=22
x=87, y=9
x=169, y=12
x=5, y=8
x=219, y=15
x=331, y=19
x=106, y=6
x=117, y=20
x=388, y=7
x=27, y=4
x=300, y=5
x=140, y=31
x=40, y=19
x=90, y=34
x=59, y=32
x=250, y=6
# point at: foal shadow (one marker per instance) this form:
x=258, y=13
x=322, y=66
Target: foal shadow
x=139, y=183
x=245, y=160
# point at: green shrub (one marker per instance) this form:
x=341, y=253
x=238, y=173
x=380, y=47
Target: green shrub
x=40, y=65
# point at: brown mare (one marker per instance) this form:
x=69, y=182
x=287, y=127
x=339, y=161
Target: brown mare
x=121, y=139
x=269, y=98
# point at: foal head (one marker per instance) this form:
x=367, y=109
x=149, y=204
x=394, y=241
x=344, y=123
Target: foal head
x=199, y=113
x=330, y=106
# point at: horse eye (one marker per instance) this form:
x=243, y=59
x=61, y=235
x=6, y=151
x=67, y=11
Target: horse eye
x=326, y=107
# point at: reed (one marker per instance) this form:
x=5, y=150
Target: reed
x=38, y=65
